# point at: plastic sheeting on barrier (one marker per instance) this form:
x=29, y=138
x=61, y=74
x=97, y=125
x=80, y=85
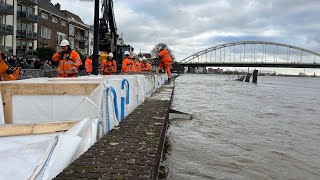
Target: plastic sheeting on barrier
x=44, y=156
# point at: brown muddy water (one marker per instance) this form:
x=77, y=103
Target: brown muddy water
x=269, y=130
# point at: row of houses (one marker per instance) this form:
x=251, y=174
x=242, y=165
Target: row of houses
x=26, y=25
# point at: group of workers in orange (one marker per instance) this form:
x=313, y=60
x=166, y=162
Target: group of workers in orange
x=69, y=62
x=108, y=65
x=131, y=63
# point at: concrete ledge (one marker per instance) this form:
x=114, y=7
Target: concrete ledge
x=131, y=151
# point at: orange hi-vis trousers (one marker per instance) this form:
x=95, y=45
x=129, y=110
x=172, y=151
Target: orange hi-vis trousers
x=167, y=66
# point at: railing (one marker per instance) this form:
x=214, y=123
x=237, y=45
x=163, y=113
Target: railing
x=28, y=16
x=79, y=37
x=6, y=29
x=51, y=73
x=29, y=2
x=27, y=34
x=6, y=9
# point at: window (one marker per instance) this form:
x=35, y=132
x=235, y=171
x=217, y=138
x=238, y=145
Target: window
x=44, y=15
x=71, y=30
x=54, y=19
x=63, y=23
x=45, y=32
x=71, y=41
x=60, y=37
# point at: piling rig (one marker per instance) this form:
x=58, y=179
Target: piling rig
x=108, y=29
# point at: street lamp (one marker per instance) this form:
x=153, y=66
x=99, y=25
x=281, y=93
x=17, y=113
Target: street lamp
x=95, y=58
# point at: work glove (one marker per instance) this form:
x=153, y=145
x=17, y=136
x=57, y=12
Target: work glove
x=74, y=68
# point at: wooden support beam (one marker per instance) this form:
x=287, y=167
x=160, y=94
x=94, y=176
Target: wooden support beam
x=29, y=129
x=58, y=88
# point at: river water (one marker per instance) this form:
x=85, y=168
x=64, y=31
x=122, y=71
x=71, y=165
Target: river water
x=268, y=130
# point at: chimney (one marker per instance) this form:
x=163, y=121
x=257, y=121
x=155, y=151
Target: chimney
x=58, y=6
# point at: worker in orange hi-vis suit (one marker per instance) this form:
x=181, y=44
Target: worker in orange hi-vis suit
x=166, y=61
x=126, y=63
x=145, y=66
x=88, y=65
x=137, y=65
x=133, y=64
x=7, y=73
x=109, y=66
x=69, y=60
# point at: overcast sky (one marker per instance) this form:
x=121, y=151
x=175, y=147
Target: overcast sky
x=188, y=26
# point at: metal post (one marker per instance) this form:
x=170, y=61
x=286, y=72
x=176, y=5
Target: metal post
x=210, y=55
x=300, y=56
x=206, y=56
x=215, y=55
x=95, y=59
x=289, y=54
x=220, y=54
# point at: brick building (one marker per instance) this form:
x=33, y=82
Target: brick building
x=52, y=25
x=78, y=32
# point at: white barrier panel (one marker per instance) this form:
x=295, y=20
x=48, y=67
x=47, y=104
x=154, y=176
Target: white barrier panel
x=48, y=108
x=44, y=156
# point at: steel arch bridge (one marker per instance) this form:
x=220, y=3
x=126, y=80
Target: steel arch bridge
x=254, y=54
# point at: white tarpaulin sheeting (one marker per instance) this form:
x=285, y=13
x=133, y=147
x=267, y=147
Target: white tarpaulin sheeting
x=45, y=156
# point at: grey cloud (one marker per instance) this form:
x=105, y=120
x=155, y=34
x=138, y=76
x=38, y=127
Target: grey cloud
x=189, y=26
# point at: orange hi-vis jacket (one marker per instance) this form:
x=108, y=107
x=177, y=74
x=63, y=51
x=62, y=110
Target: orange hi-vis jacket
x=145, y=66
x=126, y=65
x=3, y=72
x=108, y=67
x=88, y=65
x=138, y=67
x=133, y=66
x=166, y=58
x=67, y=61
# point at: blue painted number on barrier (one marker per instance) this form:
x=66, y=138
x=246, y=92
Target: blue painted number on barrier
x=127, y=98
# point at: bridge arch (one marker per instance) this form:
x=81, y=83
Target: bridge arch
x=214, y=48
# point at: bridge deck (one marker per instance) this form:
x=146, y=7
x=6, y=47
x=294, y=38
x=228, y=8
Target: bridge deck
x=252, y=64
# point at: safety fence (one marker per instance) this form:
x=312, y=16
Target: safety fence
x=35, y=73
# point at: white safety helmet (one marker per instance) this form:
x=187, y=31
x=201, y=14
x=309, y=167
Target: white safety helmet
x=64, y=43
x=126, y=53
x=144, y=58
x=110, y=55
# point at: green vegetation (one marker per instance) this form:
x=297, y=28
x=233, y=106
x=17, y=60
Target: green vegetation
x=45, y=53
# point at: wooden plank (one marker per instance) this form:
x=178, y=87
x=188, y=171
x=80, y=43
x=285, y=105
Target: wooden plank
x=10, y=89
x=53, y=89
x=6, y=103
x=29, y=129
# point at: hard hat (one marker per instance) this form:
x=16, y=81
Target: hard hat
x=110, y=55
x=140, y=59
x=126, y=53
x=64, y=43
x=144, y=58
